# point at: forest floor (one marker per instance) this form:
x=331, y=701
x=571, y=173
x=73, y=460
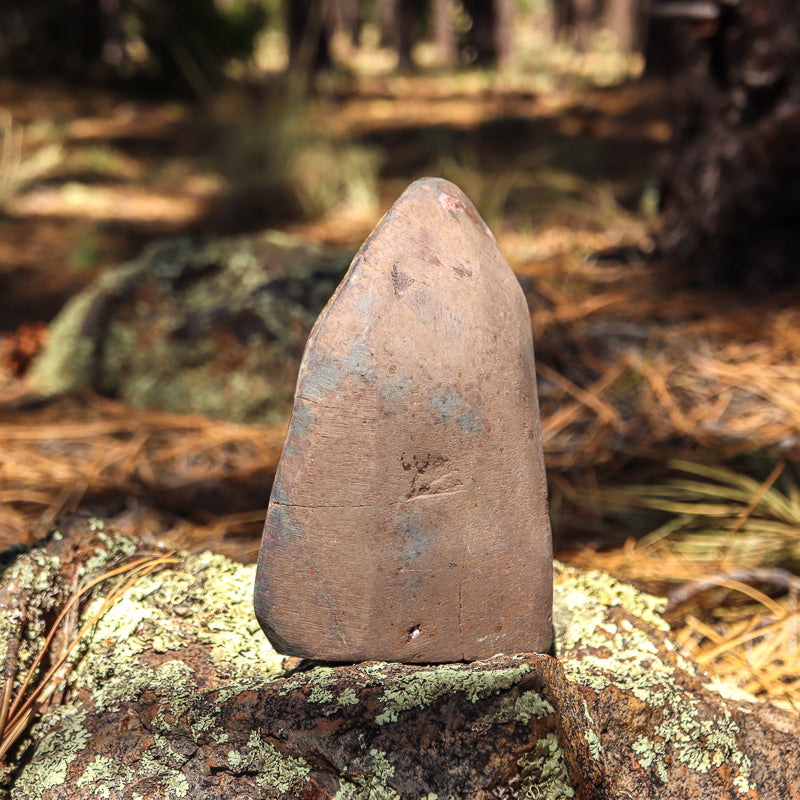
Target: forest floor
x=669, y=411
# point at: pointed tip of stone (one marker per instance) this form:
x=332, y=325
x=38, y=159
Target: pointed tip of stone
x=439, y=185
x=449, y=197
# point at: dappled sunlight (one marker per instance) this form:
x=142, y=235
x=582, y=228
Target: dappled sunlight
x=669, y=412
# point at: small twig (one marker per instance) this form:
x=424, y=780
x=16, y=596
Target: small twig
x=757, y=498
x=9, y=673
x=14, y=732
x=603, y=410
x=72, y=601
x=140, y=570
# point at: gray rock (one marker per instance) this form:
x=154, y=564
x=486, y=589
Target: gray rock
x=212, y=328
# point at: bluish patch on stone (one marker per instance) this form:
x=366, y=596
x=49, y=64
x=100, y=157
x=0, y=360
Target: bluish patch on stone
x=469, y=423
x=416, y=541
x=445, y=402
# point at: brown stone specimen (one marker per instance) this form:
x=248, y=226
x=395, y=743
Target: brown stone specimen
x=408, y=519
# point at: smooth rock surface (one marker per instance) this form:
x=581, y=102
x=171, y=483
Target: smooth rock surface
x=408, y=519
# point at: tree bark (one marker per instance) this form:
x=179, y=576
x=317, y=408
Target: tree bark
x=561, y=18
x=309, y=49
x=731, y=189
x=444, y=31
x=623, y=19
x=490, y=35
x=585, y=12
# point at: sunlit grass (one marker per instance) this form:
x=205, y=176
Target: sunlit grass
x=724, y=554
x=23, y=158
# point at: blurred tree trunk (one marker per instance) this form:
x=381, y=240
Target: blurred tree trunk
x=491, y=32
x=504, y=26
x=347, y=16
x=405, y=15
x=67, y=39
x=585, y=13
x=677, y=34
x=178, y=46
x=87, y=30
x=306, y=25
x=731, y=189
x=661, y=44
x=623, y=19
x=562, y=18
x=385, y=20
x=444, y=30
x=400, y=23
x=576, y=19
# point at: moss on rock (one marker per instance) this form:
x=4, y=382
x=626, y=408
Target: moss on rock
x=212, y=328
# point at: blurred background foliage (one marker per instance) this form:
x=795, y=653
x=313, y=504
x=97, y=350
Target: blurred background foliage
x=187, y=45
x=169, y=45
x=732, y=70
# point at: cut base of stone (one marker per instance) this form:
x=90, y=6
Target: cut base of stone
x=177, y=694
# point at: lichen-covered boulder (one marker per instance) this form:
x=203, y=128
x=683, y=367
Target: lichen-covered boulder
x=212, y=328
x=174, y=692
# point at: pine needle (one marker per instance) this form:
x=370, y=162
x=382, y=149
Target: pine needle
x=17, y=714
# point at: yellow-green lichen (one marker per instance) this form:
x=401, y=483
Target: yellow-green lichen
x=527, y=706
x=36, y=592
x=175, y=682
x=55, y=751
x=105, y=778
x=322, y=679
x=543, y=772
x=320, y=693
x=423, y=686
x=66, y=363
x=115, y=546
x=126, y=334
x=35, y=571
x=624, y=656
x=381, y=766
x=581, y=601
x=370, y=785
x=730, y=692
x=206, y=600
x=700, y=744
x=348, y=697
x=275, y=770
x=593, y=743
x=163, y=762
x=679, y=733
